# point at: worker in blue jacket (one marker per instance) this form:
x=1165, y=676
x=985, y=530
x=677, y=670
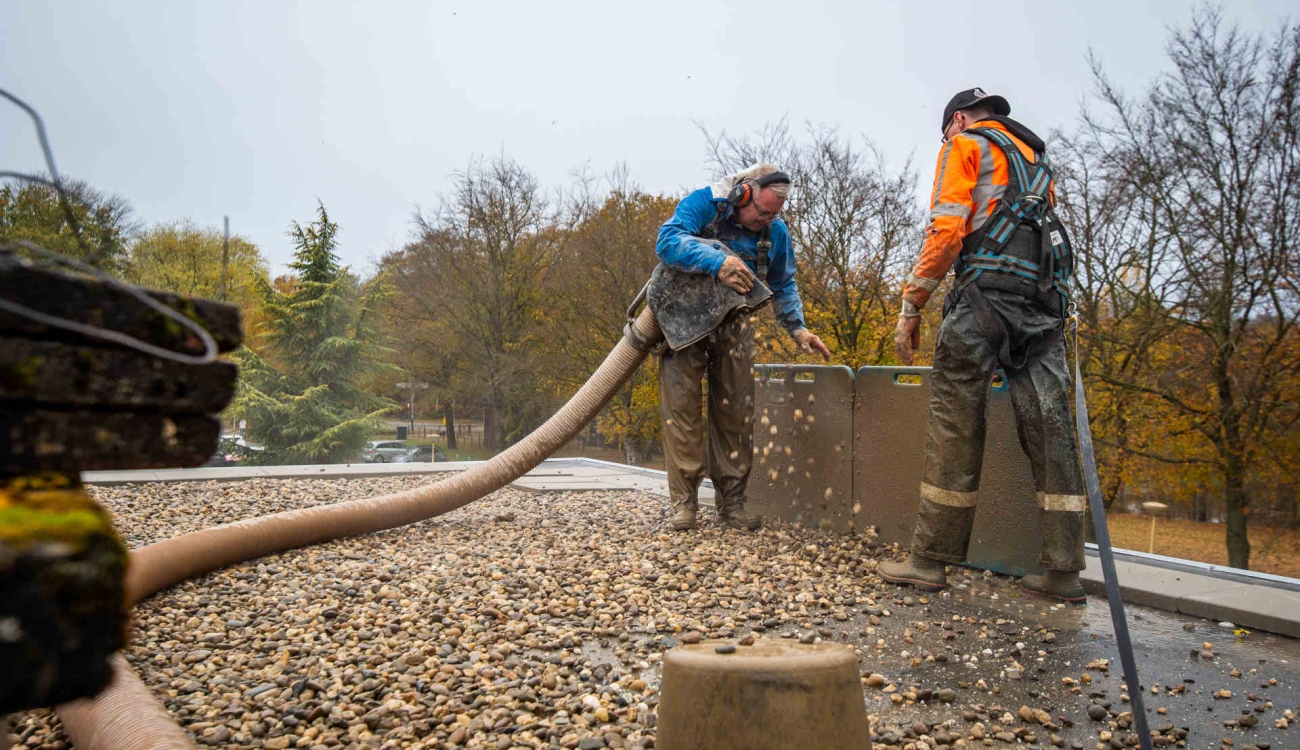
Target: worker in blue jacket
x=739, y=212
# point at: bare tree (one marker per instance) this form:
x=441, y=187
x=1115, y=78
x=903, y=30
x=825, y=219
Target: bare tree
x=855, y=225
x=606, y=257
x=1215, y=147
x=494, y=239
x=426, y=341
x=1120, y=294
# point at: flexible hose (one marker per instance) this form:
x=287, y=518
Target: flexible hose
x=126, y=716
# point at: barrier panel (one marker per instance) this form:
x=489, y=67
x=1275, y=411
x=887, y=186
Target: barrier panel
x=803, y=446
x=892, y=405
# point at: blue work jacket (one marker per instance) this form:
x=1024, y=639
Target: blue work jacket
x=680, y=247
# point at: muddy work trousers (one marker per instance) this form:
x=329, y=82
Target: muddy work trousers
x=964, y=364
x=726, y=358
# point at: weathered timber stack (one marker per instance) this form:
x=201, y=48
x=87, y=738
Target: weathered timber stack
x=71, y=403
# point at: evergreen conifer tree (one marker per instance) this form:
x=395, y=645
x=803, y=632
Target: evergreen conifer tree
x=302, y=397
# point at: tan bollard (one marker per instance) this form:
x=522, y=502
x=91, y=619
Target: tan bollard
x=774, y=695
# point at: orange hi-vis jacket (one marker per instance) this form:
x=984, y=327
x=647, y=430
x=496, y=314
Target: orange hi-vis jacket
x=969, y=180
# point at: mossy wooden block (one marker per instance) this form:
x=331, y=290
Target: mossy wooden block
x=50, y=373
x=98, y=303
x=91, y=440
x=62, y=602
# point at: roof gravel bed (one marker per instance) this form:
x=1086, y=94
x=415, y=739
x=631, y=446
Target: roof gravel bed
x=534, y=620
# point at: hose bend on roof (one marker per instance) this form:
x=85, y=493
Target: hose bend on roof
x=126, y=716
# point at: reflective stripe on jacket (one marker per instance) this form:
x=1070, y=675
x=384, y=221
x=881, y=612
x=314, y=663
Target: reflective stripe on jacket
x=969, y=179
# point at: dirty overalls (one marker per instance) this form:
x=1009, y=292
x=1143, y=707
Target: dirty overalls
x=1006, y=310
x=726, y=358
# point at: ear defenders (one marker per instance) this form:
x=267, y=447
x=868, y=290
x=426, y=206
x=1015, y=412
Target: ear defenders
x=743, y=193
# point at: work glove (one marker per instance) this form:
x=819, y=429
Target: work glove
x=907, y=336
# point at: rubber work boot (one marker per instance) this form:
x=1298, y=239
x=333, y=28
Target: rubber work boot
x=737, y=517
x=922, y=572
x=1055, y=584
x=684, y=519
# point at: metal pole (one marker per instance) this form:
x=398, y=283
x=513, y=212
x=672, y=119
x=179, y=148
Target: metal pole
x=413, y=385
x=225, y=258
x=1155, y=509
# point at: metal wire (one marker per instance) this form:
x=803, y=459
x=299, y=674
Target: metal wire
x=104, y=334
x=54, y=172
x=85, y=329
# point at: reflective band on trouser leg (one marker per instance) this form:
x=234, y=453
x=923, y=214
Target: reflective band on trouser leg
x=731, y=411
x=950, y=498
x=1062, y=524
x=943, y=531
x=680, y=398
x=1068, y=503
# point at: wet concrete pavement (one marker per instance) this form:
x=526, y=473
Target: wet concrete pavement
x=989, y=665
x=998, y=649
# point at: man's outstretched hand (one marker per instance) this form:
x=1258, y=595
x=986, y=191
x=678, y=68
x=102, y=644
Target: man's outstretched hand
x=809, y=342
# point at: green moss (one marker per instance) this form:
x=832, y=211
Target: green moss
x=54, y=501
x=22, y=374
x=21, y=525
x=45, y=480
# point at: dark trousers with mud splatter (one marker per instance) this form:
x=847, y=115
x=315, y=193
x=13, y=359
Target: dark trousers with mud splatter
x=964, y=363
x=726, y=358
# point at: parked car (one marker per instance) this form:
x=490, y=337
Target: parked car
x=423, y=453
x=384, y=451
x=237, y=448
x=231, y=449
x=217, y=460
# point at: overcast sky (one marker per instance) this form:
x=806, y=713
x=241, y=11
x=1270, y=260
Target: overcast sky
x=256, y=109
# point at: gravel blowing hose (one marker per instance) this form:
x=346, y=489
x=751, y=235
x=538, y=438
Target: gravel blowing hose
x=126, y=716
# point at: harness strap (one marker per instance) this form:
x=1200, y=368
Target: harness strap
x=1028, y=185
x=1046, y=258
x=995, y=331
x=764, y=244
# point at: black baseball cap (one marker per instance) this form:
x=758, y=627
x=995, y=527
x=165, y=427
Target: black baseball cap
x=969, y=98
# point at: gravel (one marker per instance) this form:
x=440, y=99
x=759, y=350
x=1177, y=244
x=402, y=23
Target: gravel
x=532, y=620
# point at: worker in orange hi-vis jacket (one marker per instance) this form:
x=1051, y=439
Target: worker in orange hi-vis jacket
x=992, y=222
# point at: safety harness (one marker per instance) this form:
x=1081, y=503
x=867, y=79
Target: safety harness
x=1023, y=248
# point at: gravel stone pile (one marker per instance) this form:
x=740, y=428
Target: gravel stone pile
x=538, y=620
